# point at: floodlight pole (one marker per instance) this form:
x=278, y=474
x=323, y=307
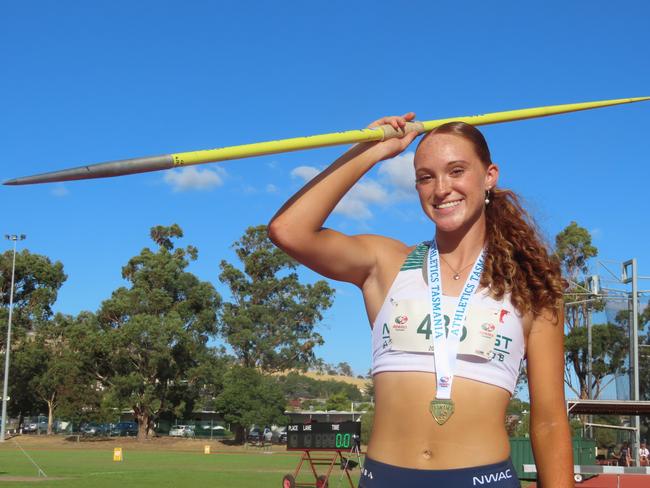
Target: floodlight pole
x=631, y=276
x=589, y=355
x=15, y=238
x=635, y=339
x=589, y=368
x=593, y=285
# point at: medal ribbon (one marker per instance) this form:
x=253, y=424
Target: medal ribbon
x=445, y=346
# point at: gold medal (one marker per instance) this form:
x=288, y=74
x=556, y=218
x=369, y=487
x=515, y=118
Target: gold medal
x=441, y=409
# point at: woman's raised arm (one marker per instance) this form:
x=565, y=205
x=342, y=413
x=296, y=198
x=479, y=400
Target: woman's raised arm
x=297, y=227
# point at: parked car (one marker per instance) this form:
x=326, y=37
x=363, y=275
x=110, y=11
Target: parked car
x=33, y=427
x=61, y=426
x=207, y=430
x=257, y=434
x=125, y=429
x=181, y=431
x=95, y=429
x=219, y=430
x=254, y=435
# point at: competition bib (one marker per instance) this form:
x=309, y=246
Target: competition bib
x=410, y=328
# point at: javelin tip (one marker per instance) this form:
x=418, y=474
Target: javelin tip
x=100, y=170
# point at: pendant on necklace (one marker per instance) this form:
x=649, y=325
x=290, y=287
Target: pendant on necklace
x=441, y=409
x=456, y=276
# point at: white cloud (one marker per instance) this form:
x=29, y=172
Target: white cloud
x=192, y=178
x=305, y=173
x=355, y=203
x=60, y=191
x=596, y=232
x=399, y=173
x=271, y=188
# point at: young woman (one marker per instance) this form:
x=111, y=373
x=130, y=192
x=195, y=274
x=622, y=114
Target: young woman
x=644, y=454
x=451, y=318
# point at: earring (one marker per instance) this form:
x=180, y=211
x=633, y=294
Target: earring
x=487, y=196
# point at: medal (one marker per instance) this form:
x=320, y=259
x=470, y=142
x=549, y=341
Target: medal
x=445, y=342
x=441, y=409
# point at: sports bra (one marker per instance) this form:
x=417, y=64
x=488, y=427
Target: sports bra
x=491, y=347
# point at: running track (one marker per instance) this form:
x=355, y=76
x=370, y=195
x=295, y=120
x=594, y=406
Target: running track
x=610, y=481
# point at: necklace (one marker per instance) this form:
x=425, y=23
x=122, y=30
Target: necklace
x=456, y=275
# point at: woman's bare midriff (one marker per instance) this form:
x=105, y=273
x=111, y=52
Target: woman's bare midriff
x=405, y=434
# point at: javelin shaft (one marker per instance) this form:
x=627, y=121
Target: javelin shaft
x=156, y=163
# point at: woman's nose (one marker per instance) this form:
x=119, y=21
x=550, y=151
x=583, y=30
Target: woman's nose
x=442, y=188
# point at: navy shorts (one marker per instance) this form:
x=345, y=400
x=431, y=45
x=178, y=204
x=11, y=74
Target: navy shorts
x=379, y=475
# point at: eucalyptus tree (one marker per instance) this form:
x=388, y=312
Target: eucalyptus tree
x=36, y=285
x=270, y=320
x=153, y=333
x=37, y=282
x=55, y=370
x=250, y=398
x=574, y=249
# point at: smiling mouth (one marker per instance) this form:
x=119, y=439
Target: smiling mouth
x=448, y=204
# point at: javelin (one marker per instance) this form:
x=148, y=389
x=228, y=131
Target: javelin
x=168, y=161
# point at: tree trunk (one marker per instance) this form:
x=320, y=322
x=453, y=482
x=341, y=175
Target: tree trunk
x=143, y=427
x=240, y=434
x=582, y=377
x=143, y=419
x=50, y=414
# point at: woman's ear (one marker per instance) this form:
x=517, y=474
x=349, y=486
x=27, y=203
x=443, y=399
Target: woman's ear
x=491, y=176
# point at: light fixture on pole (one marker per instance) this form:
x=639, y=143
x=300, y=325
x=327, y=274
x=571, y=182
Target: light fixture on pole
x=15, y=238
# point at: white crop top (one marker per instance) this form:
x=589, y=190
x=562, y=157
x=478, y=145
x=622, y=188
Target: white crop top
x=491, y=348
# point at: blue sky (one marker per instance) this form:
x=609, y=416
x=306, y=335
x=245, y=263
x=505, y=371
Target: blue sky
x=86, y=82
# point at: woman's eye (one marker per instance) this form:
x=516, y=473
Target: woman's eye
x=422, y=179
x=457, y=171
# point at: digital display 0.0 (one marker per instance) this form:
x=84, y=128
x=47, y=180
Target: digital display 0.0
x=323, y=435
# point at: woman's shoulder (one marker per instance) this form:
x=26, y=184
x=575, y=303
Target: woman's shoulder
x=384, y=246
x=390, y=253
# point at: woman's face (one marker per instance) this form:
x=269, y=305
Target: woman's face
x=451, y=181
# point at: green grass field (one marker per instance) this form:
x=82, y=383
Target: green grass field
x=140, y=468
x=93, y=466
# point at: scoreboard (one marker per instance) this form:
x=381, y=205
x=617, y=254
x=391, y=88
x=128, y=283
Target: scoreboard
x=323, y=436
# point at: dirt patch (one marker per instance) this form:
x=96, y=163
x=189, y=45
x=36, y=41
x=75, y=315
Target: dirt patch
x=56, y=442
x=360, y=383
x=27, y=478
